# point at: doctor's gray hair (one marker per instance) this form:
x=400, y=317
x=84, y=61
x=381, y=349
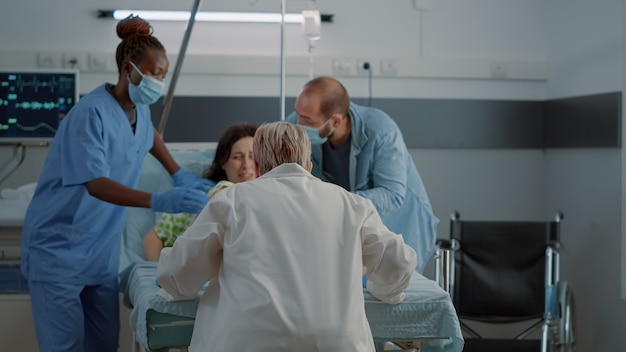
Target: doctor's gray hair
x=279, y=143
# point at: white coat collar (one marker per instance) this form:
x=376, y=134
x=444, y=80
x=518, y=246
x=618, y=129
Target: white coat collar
x=287, y=170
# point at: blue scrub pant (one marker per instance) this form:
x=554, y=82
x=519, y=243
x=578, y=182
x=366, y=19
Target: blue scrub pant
x=71, y=317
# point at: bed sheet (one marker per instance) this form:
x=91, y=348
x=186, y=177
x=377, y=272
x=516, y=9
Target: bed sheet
x=12, y=212
x=427, y=313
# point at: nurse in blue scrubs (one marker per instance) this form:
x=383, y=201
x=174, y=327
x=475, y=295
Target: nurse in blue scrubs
x=73, y=226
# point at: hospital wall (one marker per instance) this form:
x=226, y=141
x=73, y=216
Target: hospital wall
x=444, y=54
x=587, y=183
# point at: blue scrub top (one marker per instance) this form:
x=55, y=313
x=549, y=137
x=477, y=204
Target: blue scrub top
x=68, y=235
x=382, y=170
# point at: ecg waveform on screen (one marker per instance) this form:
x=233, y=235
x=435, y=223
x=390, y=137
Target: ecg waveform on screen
x=38, y=126
x=36, y=105
x=34, y=83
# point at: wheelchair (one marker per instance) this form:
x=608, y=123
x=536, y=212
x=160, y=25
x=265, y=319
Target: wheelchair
x=500, y=272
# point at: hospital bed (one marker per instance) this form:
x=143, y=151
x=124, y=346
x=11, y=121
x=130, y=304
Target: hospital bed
x=12, y=213
x=425, y=321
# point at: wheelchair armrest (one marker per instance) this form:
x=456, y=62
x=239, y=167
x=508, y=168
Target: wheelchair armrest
x=555, y=245
x=443, y=261
x=443, y=243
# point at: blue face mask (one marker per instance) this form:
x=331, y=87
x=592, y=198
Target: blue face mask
x=314, y=133
x=147, y=92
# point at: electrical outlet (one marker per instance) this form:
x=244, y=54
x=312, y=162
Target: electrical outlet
x=364, y=66
x=75, y=60
x=342, y=66
x=49, y=60
x=98, y=61
x=388, y=68
x=498, y=69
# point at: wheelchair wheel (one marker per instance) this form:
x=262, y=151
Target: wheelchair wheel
x=567, y=319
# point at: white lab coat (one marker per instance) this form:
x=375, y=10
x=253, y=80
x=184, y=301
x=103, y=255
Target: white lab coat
x=284, y=254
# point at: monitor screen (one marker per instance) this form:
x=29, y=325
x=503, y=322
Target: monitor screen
x=33, y=102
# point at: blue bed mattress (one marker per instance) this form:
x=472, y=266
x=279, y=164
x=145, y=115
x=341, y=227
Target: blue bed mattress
x=426, y=315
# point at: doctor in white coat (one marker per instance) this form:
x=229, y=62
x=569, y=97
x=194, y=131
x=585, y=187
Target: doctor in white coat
x=284, y=255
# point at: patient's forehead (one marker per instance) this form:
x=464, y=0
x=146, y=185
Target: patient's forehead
x=242, y=145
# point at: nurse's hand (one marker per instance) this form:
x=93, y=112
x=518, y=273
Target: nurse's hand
x=179, y=200
x=183, y=178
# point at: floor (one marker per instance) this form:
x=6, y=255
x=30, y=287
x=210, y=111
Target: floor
x=17, y=331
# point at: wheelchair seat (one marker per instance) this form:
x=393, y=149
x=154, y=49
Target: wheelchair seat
x=503, y=272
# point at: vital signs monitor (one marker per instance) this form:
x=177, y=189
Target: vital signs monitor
x=33, y=102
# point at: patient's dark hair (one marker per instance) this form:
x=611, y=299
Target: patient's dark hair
x=136, y=34
x=225, y=144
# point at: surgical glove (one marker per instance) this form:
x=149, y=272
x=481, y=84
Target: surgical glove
x=179, y=200
x=183, y=178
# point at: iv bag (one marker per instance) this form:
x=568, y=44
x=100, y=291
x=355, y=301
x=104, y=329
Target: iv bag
x=311, y=24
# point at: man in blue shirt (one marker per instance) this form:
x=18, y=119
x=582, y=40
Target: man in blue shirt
x=362, y=150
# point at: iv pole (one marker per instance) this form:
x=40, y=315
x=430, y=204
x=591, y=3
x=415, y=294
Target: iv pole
x=282, y=60
x=179, y=63
x=167, y=105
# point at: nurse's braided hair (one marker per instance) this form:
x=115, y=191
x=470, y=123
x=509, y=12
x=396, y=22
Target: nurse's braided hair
x=136, y=35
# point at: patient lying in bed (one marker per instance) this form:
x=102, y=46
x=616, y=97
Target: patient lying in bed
x=283, y=256
x=426, y=316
